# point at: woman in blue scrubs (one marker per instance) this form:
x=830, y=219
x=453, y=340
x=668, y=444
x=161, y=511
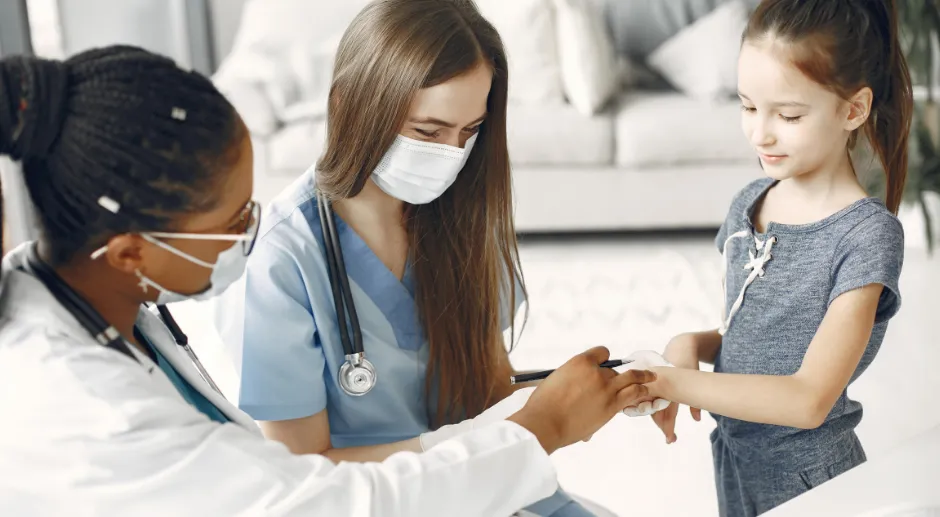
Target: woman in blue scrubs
x=417, y=170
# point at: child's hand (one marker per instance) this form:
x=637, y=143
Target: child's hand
x=645, y=360
x=682, y=353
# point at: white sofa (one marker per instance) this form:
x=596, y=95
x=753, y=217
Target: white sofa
x=651, y=159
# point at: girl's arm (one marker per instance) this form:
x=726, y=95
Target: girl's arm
x=802, y=399
x=698, y=347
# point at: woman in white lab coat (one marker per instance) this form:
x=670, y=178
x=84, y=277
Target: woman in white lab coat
x=141, y=175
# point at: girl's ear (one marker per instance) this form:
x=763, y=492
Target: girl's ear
x=859, y=109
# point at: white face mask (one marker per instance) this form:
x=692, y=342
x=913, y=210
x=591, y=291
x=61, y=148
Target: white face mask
x=228, y=268
x=419, y=172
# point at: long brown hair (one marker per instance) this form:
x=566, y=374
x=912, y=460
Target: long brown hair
x=463, y=245
x=845, y=45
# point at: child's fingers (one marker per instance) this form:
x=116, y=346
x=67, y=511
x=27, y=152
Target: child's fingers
x=669, y=422
x=696, y=413
x=658, y=418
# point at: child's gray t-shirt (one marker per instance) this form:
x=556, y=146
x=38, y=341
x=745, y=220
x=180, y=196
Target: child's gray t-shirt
x=798, y=270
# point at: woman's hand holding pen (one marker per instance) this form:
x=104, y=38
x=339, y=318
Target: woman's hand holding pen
x=579, y=398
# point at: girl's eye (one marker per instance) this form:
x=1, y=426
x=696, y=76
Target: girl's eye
x=429, y=134
x=747, y=109
x=791, y=119
x=471, y=130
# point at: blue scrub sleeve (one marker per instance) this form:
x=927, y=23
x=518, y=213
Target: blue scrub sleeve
x=282, y=360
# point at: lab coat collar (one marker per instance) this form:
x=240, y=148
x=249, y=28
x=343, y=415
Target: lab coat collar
x=159, y=335
x=24, y=297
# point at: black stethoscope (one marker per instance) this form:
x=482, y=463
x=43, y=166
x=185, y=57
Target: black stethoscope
x=103, y=332
x=357, y=375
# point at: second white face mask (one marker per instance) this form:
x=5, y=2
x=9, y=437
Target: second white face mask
x=419, y=172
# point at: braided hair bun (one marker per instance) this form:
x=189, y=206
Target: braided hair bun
x=33, y=105
x=121, y=123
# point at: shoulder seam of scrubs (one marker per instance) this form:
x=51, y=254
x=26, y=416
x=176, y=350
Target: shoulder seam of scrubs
x=277, y=221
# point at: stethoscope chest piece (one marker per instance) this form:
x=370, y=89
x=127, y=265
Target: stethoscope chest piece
x=357, y=375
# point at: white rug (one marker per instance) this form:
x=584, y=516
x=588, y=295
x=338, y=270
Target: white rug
x=626, y=294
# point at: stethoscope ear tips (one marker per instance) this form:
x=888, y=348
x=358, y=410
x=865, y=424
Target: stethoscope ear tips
x=357, y=375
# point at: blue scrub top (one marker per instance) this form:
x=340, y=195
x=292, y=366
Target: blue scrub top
x=279, y=325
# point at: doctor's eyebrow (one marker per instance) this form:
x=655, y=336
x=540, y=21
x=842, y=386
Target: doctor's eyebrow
x=439, y=122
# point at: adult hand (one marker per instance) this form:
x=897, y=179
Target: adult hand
x=644, y=360
x=579, y=398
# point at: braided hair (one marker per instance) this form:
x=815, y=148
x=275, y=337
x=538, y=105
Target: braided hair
x=116, y=123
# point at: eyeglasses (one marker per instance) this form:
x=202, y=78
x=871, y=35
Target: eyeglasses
x=250, y=218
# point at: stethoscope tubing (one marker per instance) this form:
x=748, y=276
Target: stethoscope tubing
x=95, y=324
x=339, y=282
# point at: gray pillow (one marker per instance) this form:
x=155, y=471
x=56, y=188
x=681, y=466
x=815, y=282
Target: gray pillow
x=639, y=26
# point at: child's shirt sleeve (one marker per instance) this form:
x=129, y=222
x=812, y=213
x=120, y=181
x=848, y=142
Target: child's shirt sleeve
x=871, y=253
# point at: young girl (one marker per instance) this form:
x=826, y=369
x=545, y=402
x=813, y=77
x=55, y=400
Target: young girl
x=812, y=262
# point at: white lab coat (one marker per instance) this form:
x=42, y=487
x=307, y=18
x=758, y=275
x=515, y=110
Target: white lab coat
x=87, y=431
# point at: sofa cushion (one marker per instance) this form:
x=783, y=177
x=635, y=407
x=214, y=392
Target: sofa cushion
x=295, y=147
x=280, y=23
x=589, y=67
x=527, y=30
x=702, y=59
x=639, y=26
x=558, y=135
x=669, y=128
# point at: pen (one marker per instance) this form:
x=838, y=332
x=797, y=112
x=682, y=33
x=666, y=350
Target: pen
x=534, y=376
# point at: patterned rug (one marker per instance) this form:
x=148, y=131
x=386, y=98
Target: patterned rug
x=624, y=292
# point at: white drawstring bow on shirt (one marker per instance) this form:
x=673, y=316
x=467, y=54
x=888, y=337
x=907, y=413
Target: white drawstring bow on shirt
x=756, y=265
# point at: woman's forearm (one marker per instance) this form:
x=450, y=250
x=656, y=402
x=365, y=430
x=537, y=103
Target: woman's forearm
x=767, y=399
x=311, y=435
x=372, y=453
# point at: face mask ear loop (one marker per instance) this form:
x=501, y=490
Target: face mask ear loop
x=177, y=252
x=145, y=283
